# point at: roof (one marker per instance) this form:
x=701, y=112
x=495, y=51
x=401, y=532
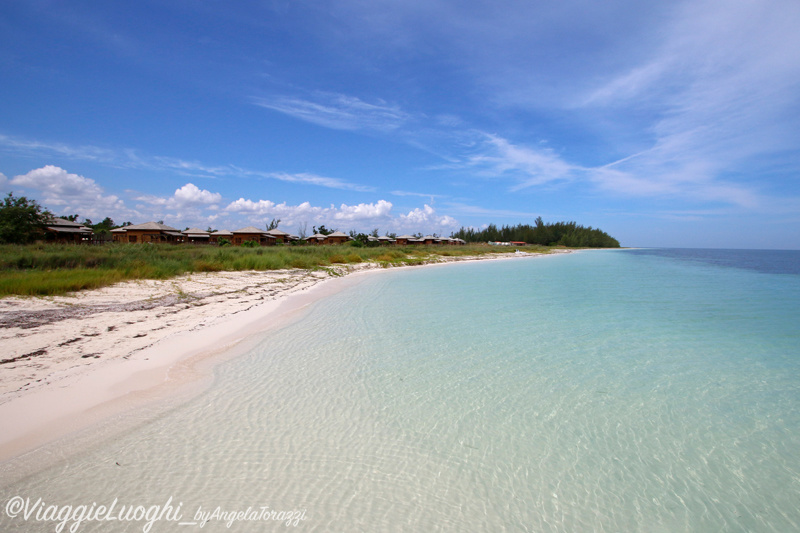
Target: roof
x=55, y=221
x=157, y=226
x=339, y=234
x=406, y=237
x=196, y=232
x=277, y=232
x=61, y=229
x=317, y=236
x=249, y=229
x=222, y=233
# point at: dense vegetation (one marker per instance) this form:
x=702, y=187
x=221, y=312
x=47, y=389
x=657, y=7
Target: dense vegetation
x=47, y=269
x=21, y=220
x=558, y=234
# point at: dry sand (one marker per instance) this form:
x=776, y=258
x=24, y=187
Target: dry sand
x=67, y=362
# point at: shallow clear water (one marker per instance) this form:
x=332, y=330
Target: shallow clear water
x=636, y=390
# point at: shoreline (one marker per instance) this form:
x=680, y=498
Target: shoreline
x=72, y=364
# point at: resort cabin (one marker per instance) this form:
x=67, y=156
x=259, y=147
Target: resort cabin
x=430, y=239
x=215, y=236
x=337, y=237
x=385, y=240
x=66, y=231
x=404, y=239
x=253, y=234
x=148, y=232
x=317, y=238
x=196, y=236
x=280, y=236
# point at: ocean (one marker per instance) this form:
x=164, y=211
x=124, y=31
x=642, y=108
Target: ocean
x=605, y=390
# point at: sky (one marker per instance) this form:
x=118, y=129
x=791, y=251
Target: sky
x=665, y=123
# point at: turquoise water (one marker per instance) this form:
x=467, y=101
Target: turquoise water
x=635, y=390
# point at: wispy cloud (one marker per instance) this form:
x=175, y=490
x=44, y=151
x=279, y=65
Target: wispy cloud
x=33, y=147
x=722, y=91
x=527, y=166
x=462, y=209
x=313, y=179
x=338, y=111
x=129, y=158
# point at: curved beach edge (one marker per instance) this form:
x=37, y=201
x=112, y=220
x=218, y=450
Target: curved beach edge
x=74, y=363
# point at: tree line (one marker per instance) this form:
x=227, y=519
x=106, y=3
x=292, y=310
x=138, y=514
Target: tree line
x=23, y=220
x=568, y=234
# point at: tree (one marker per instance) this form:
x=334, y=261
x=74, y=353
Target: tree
x=21, y=220
x=103, y=227
x=322, y=230
x=302, y=230
x=273, y=224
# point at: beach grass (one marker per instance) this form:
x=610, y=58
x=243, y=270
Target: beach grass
x=53, y=269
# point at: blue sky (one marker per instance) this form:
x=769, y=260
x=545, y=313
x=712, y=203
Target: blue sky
x=662, y=123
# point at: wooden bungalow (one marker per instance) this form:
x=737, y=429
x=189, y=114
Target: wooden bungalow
x=280, y=236
x=385, y=240
x=66, y=231
x=404, y=239
x=196, y=236
x=251, y=233
x=148, y=232
x=337, y=237
x=317, y=238
x=118, y=235
x=215, y=236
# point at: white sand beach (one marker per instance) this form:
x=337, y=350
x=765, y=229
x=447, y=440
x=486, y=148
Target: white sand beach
x=69, y=361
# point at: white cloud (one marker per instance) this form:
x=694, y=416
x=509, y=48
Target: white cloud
x=190, y=194
x=305, y=211
x=360, y=217
x=69, y=192
x=188, y=205
x=3, y=182
x=359, y=212
x=425, y=220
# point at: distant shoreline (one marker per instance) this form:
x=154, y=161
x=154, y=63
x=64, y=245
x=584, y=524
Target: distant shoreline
x=74, y=361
